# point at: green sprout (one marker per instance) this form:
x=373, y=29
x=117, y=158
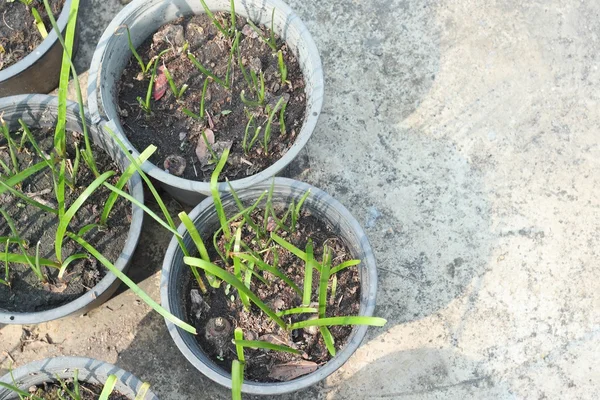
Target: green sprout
x=268, y=39
x=282, y=67
x=176, y=92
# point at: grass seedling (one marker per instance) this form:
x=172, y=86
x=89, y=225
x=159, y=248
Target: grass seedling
x=216, y=23
x=282, y=129
x=200, y=115
x=268, y=39
x=143, y=67
x=267, y=135
x=176, y=92
x=145, y=103
x=282, y=67
x=257, y=84
x=250, y=127
x=206, y=72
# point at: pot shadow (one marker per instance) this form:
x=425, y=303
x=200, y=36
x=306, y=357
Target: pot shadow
x=154, y=239
x=169, y=373
x=422, y=373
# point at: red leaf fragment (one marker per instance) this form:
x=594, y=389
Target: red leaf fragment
x=160, y=84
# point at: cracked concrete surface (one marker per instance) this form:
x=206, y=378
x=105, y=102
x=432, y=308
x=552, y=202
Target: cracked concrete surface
x=463, y=135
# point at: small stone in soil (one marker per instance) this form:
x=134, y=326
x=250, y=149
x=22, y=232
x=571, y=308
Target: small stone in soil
x=175, y=165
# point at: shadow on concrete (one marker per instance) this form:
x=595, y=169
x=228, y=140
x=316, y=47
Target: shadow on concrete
x=153, y=357
x=423, y=373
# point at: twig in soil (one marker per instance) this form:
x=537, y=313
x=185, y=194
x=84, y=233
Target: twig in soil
x=4, y=19
x=7, y=354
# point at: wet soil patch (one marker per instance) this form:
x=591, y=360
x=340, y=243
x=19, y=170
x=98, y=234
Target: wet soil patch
x=179, y=136
x=270, y=366
x=26, y=292
x=87, y=391
x=19, y=35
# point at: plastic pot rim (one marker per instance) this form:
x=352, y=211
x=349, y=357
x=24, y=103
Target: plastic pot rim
x=41, y=50
x=37, y=372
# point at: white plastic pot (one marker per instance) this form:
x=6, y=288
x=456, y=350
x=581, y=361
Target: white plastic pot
x=144, y=17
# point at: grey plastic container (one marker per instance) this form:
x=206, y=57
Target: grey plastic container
x=39, y=71
x=322, y=206
x=89, y=371
x=144, y=17
x=41, y=111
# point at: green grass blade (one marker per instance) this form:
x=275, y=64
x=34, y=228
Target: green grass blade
x=203, y=99
x=27, y=199
x=21, y=176
x=328, y=339
x=143, y=207
x=70, y=213
x=20, y=392
x=206, y=71
x=259, y=344
x=288, y=246
x=39, y=23
x=298, y=310
x=191, y=228
x=133, y=50
x=300, y=204
x=12, y=148
x=351, y=320
x=34, y=143
x=129, y=171
x=212, y=18
x=27, y=260
x=149, y=184
x=195, y=235
x=236, y=283
x=134, y=288
x=143, y=391
x=240, y=206
x=239, y=336
x=68, y=261
x=214, y=189
x=308, y=274
x=237, y=379
x=343, y=266
x=171, y=82
x=60, y=189
x=38, y=267
x=109, y=385
x=266, y=267
x=324, y=281
x=76, y=383
x=67, y=44
x=237, y=267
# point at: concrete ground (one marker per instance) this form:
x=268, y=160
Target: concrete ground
x=463, y=135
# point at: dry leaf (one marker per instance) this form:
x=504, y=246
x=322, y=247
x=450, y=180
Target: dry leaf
x=202, y=151
x=292, y=370
x=274, y=339
x=160, y=84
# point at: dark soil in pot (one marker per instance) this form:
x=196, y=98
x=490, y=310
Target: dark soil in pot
x=88, y=391
x=226, y=117
x=27, y=293
x=19, y=35
x=267, y=366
